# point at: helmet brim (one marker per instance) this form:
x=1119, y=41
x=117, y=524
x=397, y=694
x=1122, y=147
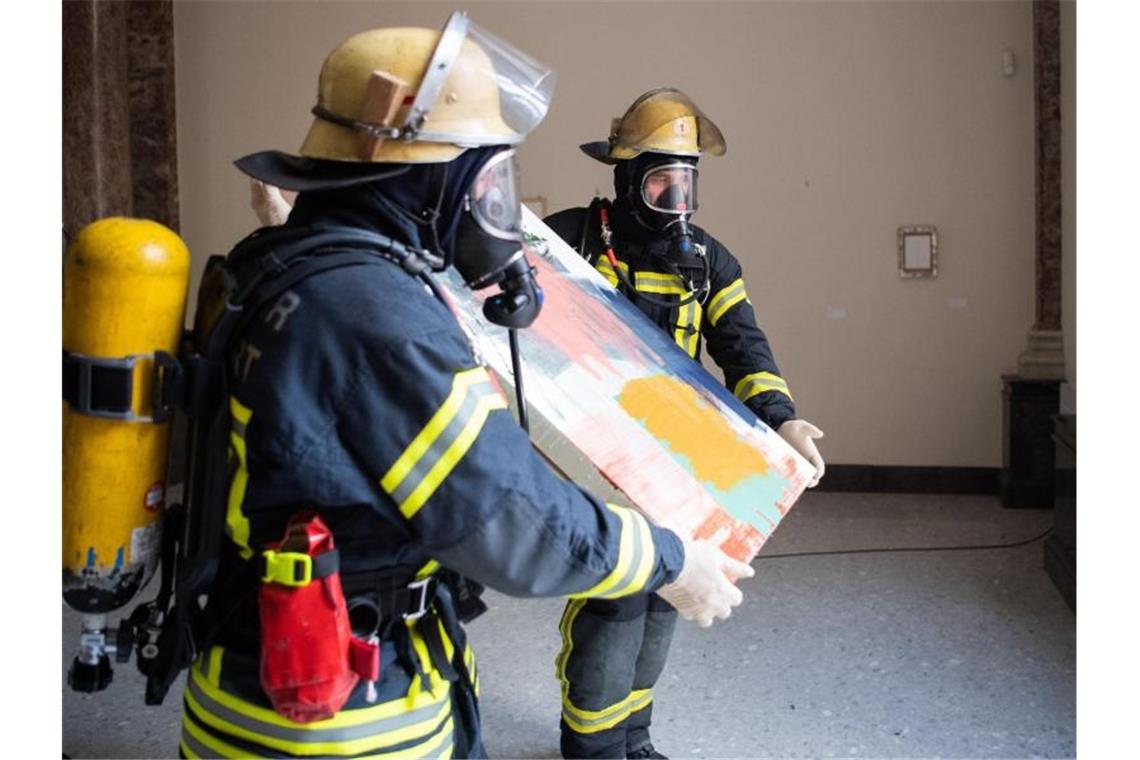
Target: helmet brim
x=301, y=173
x=599, y=151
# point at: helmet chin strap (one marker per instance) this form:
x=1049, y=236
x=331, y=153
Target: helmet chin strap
x=431, y=214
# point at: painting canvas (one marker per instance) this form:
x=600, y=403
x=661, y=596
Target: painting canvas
x=619, y=408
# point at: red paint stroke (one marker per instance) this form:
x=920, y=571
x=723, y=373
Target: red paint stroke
x=580, y=324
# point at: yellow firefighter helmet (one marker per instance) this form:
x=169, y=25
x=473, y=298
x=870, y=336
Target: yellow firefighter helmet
x=663, y=120
x=409, y=95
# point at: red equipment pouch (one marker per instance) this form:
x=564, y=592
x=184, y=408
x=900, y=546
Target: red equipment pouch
x=305, y=633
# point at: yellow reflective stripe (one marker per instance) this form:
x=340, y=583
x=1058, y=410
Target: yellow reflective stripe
x=416, y=698
x=642, y=704
x=648, y=556
x=337, y=746
x=759, y=382
x=448, y=646
x=446, y=736
x=455, y=425
x=635, y=696
x=207, y=740
x=636, y=555
x=659, y=282
x=590, y=721
x=213, y=671
x=419, y=648
x=566, y=627
x=593, y=721
x=472, y=667
x=420, y=444
x=725, y=299
x=237, y=524
x=698, y=312
x=688, y=316
x=429, y=567
x=625, y=556
x=454, y=453
x=607, y=271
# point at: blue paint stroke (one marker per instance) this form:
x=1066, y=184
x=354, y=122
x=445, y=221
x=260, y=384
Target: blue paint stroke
x=90, y=556
x=119, y=557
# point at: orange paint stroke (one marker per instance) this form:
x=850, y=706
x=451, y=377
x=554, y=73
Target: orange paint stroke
x=639, y=466
x=700, y=434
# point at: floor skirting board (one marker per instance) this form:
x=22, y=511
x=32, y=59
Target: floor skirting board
x=897, y=479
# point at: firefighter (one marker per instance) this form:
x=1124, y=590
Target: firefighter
x=692, y=287
x=356, y=397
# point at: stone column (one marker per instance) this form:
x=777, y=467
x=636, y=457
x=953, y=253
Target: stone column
x=96, y=117
x=120, y=154
x=1044, y=357
x=1030, y=398
x=153, y=140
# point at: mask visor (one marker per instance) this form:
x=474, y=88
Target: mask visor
x=494, y=197
x=671, y=189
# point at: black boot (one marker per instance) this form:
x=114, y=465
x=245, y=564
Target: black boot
x=646, y=751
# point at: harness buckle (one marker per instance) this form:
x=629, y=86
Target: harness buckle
x=287, y=568
x=424, y=587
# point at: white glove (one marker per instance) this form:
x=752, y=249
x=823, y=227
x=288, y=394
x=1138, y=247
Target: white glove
x=703, y=590
x=799, y=435
x=269, y=203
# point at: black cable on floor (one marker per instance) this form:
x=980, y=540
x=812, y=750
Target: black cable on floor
x=909, y=549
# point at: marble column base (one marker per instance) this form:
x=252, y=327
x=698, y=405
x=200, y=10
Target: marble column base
x=1044, y=357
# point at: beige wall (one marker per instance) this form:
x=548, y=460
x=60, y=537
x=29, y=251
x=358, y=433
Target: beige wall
x=843, y=120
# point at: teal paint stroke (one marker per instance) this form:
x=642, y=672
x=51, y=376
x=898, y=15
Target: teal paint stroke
x=752, y=500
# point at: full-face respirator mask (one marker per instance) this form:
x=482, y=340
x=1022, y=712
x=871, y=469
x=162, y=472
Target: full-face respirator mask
x=665, y=197
x=489, y=244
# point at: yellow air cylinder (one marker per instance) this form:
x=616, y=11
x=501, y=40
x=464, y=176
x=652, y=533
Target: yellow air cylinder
x=124, y=294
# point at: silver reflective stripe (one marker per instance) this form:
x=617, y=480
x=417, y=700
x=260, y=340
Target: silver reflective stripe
x=238, y=428
x=305, y=736
x=442, y=442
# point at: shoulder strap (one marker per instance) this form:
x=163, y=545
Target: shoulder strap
x=269, y=262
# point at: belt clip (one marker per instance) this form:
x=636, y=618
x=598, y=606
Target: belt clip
x=287, y=568
x=423, y=586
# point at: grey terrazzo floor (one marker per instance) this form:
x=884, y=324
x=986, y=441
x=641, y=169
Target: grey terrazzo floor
x=940, y=654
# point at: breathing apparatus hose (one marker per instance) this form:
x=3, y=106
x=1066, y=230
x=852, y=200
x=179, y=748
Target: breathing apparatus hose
x=516, y=365
x=693, y=294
